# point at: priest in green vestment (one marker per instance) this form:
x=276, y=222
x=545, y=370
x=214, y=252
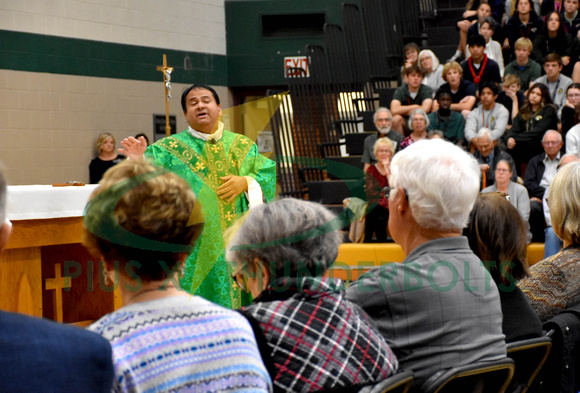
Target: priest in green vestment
x=227, y=174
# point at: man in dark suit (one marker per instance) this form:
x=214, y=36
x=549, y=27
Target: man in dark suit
x=539, y=174
x=489, y=154
x=37, y=355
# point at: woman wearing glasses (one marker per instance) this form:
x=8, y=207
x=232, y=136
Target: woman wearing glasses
x=518, y=194
x=311, y=337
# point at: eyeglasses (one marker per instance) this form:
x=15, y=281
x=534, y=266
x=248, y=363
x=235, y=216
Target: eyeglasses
x=573, y=95
x=501, y=170
x=387, y=192
x=241, y=281
x=550, y=143
x=241, y=276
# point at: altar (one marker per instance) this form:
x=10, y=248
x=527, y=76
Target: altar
x=44, y=270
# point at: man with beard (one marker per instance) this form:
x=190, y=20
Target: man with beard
x=448, y=121
x=383, y=122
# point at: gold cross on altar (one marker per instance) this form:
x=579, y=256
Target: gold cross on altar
x=58, y=283
x=167, y=82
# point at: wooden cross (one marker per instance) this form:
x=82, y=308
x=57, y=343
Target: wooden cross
x=58, y=283
x=167, y=82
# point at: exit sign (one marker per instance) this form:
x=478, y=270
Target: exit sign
x=292, y=63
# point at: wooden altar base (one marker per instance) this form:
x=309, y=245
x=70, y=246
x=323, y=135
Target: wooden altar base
x=46, y=272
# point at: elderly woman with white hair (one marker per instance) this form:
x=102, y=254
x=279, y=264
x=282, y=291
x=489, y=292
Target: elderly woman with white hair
x=376, y=178
x=418, y=123
x=438, y=308
x=311, y=337
x=554, y=282
x=429, y=63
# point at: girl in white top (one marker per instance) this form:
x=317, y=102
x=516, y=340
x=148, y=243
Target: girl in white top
x=492, y=48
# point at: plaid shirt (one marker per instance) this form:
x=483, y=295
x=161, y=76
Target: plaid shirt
x=317, y=339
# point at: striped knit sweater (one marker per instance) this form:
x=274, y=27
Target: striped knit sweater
x=182, y=344
x=554, y=283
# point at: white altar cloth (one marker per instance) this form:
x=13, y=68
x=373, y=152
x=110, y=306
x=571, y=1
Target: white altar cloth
x=45, y=201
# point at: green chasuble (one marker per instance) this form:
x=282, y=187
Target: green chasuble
x=202, y=164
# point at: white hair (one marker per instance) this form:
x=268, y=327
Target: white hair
x=485, y=132
x=289, y=234
x=441, y=180
x=558, y=135
x=381, y=109
x=434, y=59
x=419, y=112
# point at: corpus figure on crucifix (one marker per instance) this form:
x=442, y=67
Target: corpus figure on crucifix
x=228, y=175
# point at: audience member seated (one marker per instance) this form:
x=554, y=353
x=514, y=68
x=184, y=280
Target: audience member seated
x=556, y=82
x=462, y=92
x=107, y=157
x=145, y=138
x=143, y=222
x=553, y=244
x=554, y=39
x=489, y=114
x=409, y=97
x=479, y=68
x=311, y=337
x=469, y=26
x=377, y=178
x=41, y=356
x=436, y=134
x=518, y=195
x=421, y=306
x=411, y=53
x=554, y=283
x=538, y=115
x=511, y=97
x=568, y=116
x=523, y=23
x=539, y=174
x=383, y=121
x=429, y=63
x=570, y=17
x=445, y=119
x=573, y=136
x=523, y=67
x=497, y=235
x=489, y=154
x=492, y=48
x=418, y=123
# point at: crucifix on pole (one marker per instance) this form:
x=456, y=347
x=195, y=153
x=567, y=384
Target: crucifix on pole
x=167, y=80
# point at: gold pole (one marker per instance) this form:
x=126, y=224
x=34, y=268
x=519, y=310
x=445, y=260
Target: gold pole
x=166, y=80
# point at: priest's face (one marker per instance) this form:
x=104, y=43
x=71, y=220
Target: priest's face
x=202, y=111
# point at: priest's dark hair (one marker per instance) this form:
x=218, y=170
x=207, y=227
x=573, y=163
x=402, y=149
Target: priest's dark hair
x=197, y=86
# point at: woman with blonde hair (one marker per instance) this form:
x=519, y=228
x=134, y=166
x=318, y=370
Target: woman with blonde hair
x=376, y=178
x=554, y=282
x=107, y=157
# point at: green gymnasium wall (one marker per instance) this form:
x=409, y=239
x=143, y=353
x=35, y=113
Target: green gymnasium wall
x=257, y=59
x=71, y=56
x=254, y=57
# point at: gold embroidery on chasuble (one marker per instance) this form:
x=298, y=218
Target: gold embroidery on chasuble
x=214, y=167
